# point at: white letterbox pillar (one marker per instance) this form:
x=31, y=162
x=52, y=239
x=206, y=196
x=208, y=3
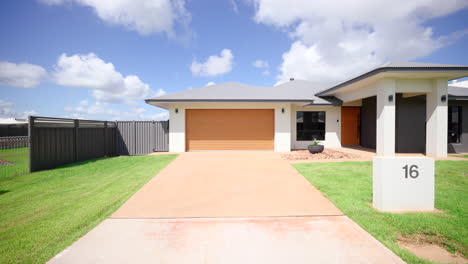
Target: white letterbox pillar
x=403, y=183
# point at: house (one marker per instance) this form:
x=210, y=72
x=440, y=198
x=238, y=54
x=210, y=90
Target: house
x=397, y=107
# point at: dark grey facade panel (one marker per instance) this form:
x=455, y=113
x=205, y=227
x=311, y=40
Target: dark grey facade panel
x=461, y=147
x=410, y=124
x=369, y=122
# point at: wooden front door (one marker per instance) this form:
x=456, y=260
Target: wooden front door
x=350, y=125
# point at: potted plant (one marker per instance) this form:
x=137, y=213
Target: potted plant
x=315, y=147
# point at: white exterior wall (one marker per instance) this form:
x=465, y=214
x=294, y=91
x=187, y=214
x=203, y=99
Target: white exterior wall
x=282, y=122
x=437, y=119
x=385, y=145
x=332, y=126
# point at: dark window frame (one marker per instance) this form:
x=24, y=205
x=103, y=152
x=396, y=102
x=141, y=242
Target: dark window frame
x=316, y=130
x=454, y=135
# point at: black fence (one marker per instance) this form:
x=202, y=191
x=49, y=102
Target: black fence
x=13, y=130
x=59, y=141
x=14, y=156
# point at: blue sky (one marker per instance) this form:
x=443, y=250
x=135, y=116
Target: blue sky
x=99, y=59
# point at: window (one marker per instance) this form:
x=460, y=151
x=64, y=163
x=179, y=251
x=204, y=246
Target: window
x=310, y=126
x=454, y=124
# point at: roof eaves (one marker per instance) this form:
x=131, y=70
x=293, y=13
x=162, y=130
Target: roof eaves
x=457, y=98
x=390, y=69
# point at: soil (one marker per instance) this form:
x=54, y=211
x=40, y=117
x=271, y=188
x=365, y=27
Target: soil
x=4, y=162
x=327, y=154
x=430, y=248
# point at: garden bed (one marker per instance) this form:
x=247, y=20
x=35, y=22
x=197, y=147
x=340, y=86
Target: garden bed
x=327, y=154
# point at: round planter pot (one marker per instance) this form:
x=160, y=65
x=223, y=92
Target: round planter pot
x=315, y=149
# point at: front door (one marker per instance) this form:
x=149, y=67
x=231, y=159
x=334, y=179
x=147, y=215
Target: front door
x=350, y=125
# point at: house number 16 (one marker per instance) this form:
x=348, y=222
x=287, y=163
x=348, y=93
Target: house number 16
x=412, y=171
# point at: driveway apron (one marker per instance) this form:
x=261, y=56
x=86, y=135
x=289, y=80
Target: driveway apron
x=227, y=207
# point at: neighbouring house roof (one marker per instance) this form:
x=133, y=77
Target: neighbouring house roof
x=293, y=91
x=13, y=121
x=457, y=92
x=403, y=67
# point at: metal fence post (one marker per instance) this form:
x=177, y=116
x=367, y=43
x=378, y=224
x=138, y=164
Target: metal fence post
x=76, y=124
x=30, y=142
x=135, y=138
x=105, y=139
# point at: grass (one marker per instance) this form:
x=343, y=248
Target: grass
x=42, y=213
x=460, y=156
x=349, y=186
x=20, y=159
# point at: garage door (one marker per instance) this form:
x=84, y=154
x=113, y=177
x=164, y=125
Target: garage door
x=229, y=129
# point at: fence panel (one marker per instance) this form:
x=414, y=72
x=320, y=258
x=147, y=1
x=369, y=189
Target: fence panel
x=59, y=141
x=125, y=138
x=161, y=136
x=14, y=156
x=142, y=137
x=13, y=130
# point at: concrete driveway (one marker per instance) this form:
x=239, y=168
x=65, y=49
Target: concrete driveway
x=227, y=207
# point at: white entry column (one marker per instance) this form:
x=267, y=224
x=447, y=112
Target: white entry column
x=386, y=117
x=436, y=119
x=399, y=183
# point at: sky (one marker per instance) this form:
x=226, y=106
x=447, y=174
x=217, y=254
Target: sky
x=99, y=59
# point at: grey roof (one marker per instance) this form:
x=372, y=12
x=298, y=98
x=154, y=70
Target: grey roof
x=409, y=64
x=300, y=91
x=458, y=92
x=292, y=91
x=398, y=66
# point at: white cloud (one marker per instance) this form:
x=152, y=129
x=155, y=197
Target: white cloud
x=260, y=64
x=7, y=110
x=214, y=65
x=210, y=83
x=106, y=84
x=265, y=72
x=331, y=44
x=105, y=111
x=144, y=16
x=159, y=92
x=22, y=75
x=460, y=83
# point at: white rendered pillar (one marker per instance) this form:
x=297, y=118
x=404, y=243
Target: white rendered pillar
x=386, y=117
x=176, y=129
x=283, y=128
x=436, y=119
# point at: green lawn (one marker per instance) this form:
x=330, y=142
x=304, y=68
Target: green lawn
x=20, y=159
x=460, y=156
x=349, y=186
x=41, y=213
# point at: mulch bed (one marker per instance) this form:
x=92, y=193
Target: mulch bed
x=327, y=154
x=4, y=162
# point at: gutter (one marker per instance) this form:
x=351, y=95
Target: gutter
x=227, y=101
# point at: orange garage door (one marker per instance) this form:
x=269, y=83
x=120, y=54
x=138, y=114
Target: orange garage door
x=229, y=129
